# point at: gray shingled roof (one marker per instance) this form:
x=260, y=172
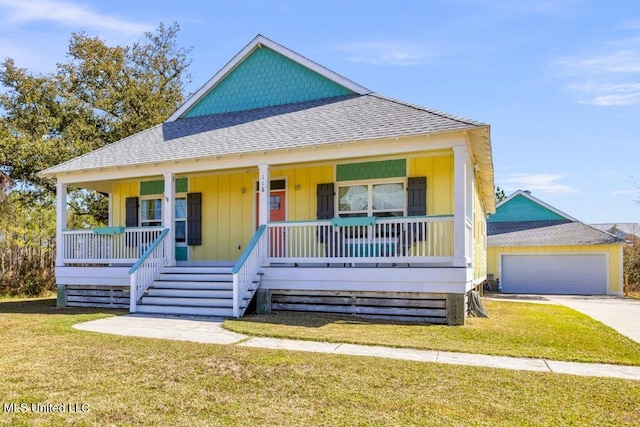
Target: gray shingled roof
x=546, y=233
x=325, y=121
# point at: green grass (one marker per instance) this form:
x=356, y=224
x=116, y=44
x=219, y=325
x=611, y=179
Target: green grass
x=136, y=381
x=513, y=329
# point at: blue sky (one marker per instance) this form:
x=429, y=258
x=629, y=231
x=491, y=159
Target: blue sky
x=558, y=81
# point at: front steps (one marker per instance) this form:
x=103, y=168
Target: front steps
x=193, y=291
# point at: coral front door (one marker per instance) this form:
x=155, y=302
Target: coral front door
x=277, y=212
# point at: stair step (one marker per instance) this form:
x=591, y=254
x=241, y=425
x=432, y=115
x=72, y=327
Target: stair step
x=188, y=301
x=195, y=277
x=198, y=270
x=194, y=293
x=185, y=311
x=212, y=286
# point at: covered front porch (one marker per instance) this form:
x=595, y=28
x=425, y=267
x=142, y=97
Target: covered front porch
x=367, y=226
x=402, y=257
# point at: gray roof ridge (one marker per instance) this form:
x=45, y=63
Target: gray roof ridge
x=92, y=152
x=429, y=110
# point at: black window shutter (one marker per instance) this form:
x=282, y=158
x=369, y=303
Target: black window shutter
x=417, y=196
x=194, y=219
x=326, y=203
x=326, y=206
x=131, y=212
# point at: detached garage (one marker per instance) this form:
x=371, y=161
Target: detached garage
x=534, y=248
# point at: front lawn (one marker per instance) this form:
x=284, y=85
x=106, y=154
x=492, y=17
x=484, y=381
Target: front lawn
x=513, y=329
x=137, y=381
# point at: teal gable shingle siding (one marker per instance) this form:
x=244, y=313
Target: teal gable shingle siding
x=520, y=209
x=265, y=79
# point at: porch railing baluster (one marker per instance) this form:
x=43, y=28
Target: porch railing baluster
x=422, y=239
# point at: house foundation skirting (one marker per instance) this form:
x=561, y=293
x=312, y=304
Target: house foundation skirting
x=433, y=308
x=93, y=296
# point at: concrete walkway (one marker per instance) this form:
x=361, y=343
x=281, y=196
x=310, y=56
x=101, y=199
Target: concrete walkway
x=211, y=332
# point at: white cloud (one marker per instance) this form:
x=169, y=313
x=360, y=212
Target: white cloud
x=610, y=94
x=69, y=14
x=623, y=192
x=536, y=183
x=610, y=75
x=386, y=53
x=619, y=61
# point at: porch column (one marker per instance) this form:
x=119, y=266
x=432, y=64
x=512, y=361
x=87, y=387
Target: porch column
x=110, y=199
x=264, y=186
x=168, y=217
x=460, y=159
x=61, y=221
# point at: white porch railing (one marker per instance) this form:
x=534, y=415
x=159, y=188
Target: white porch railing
x=147, y=267
x=114, y=245
x=425, y=239
x=246, y=268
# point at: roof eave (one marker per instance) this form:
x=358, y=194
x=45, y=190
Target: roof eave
x=54, y=172
x=480, y=143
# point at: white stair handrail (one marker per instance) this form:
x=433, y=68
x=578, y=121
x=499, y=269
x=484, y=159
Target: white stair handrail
x=144, y=271
x=247, y=267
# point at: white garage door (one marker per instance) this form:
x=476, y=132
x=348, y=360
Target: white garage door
x=584, y=274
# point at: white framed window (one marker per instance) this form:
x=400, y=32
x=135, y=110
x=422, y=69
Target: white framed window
x=181, y=219
x=151, y=212
x=381, y=198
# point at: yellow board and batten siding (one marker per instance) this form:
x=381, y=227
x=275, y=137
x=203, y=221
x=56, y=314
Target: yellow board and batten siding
x=479, y=236
x=121, y=191
x=229, y=199
x=614, y=252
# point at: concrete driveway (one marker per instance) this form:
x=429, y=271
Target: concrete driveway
x=619, y=313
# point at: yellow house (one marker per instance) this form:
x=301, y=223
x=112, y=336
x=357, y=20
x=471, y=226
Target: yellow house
x=284, y=179
x=535, y=248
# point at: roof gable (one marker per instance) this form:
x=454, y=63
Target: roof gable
x=522, y=206
x=265, y=74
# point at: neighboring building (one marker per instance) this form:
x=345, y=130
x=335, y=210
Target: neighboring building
x=535, y=248
x=627, y=231
x=341, y=199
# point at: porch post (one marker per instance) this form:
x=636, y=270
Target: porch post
x=460, y=157
x=61, y=221
x=110, y=199
x=264, y=188
x=168, y=217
